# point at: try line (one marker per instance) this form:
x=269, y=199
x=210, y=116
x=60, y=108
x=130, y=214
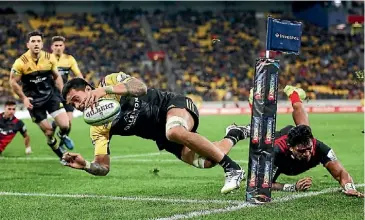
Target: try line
x=244, y=205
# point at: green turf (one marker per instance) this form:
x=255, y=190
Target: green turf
x=134, y=177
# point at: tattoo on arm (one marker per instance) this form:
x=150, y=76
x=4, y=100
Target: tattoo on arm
x=97, y=170
x=135, y=87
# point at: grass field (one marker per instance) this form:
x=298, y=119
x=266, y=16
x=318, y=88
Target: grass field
x=38, y=187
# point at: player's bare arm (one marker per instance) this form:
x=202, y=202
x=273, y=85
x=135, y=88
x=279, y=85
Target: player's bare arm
x=99, y=167
x=14, y=83
x=129, y=87
x=302, y=185
x=26, y=140
x=343, y=177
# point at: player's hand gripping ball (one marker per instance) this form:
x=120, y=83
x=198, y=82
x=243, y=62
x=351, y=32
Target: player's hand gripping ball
x=104, y=111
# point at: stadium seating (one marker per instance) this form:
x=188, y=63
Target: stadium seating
x=212, y=53
x=11, y=37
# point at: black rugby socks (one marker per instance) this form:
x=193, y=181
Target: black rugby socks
x=56, y=149
x=227, y=163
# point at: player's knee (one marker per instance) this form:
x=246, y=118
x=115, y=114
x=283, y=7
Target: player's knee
x=176, y=134
x=64, y=123
x=48, y=132
x=64, y=126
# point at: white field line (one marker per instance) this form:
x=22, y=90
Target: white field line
x=114, y=157
x=124, y=198
x=247, y=205
x=127, y=157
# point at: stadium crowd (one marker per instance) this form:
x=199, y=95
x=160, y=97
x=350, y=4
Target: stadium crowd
x=212, y=53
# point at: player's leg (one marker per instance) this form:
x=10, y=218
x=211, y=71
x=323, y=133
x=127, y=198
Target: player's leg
x=39, y=116
x=179, y=126
x=69, y=109
x=234, y=134
x=296, y=96
x=58, y=113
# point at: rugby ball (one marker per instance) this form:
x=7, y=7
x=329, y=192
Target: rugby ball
x=105, y=111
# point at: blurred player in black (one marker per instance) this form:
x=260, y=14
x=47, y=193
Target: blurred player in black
x=66, y=64
x=169, y=119
x=37, y=71
x=296, y=151
x=10, y=125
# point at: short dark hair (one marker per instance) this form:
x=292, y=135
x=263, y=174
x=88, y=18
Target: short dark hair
x=35, y=33
x=300, y=134
x=10, y=102
x=77, y=84
x=58, y=38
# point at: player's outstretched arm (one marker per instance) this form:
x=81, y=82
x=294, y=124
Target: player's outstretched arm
x=123, y=85
x=343, y=177
x=129, y=87
x=301, y=185
x=99, y=167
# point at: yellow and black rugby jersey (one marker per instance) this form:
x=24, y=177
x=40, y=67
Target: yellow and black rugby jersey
x=143, y=116
x=65, y=64
x=36, y=75
x=100, y=135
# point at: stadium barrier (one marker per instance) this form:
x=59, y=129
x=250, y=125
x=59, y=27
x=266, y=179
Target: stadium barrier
x=216, y=108
x=282, y=110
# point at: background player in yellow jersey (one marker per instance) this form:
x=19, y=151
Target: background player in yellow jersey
x=169, y=119
x=37, y=71
x=65, y=64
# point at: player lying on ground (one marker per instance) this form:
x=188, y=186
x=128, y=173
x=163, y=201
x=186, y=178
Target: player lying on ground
x=296, y=151
x=37, y=71
x=171, y=120
x=10, y=125
x=65, y=64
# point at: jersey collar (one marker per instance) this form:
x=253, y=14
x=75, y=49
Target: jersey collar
x=29, y=55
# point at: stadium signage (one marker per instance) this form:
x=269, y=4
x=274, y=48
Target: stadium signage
x=289, y=37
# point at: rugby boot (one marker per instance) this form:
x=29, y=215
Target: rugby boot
x=233, y=180
x=288, y=90
x=237, y=133
x=66, y=141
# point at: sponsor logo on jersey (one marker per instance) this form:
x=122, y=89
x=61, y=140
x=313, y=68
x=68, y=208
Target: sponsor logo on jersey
x=38, y=79
x=62, y=71
x=131, y=118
